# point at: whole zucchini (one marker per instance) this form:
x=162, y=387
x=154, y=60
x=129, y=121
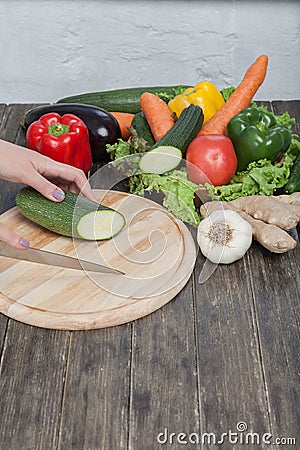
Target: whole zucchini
x=103, y=127
x=122, y=100
x=184, y=130
x=293, y=185
x=76, y=216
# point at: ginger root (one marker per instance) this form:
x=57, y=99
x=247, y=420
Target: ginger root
x=268, y=209
x=293, y=200
x=269, y=217
x=270, y=236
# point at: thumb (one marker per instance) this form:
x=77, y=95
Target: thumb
x=10, y=237
x=46, y=188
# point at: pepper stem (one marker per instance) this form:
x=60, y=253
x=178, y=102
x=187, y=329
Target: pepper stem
x=57, y=129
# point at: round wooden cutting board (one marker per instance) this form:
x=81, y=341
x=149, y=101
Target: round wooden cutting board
x=155, y=250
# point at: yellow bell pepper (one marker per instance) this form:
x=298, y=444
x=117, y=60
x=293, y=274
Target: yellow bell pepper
x=203, y=94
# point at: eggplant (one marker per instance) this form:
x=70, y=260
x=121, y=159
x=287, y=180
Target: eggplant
x=103, y=127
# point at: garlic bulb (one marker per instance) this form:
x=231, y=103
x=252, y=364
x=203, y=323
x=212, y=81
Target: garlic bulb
x=224, y=236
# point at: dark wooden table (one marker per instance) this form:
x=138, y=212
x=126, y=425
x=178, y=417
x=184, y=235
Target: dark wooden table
x=221, y=356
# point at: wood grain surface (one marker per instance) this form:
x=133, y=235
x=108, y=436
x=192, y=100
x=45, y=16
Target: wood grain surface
x=220, y=352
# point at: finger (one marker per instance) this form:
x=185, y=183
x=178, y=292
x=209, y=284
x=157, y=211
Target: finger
x=86, y=190
x=44, y=186
x=10, y=237
x=72, y=187
x=78, y=183
x=70, y=175
x=87, y=193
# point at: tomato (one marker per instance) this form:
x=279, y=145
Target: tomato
x=211, y=159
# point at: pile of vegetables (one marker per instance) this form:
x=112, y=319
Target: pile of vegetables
x=182, y=140
x=240, y=151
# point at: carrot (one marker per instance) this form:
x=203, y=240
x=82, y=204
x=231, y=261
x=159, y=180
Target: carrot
x=240, y=98
x=157, y=113
x=124, y=120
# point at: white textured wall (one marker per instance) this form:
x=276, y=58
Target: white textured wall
x=54, y=48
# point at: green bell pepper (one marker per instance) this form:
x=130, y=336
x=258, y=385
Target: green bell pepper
x=256, y=135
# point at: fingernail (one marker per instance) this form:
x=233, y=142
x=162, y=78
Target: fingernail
x=24, y=243
x=58, y=194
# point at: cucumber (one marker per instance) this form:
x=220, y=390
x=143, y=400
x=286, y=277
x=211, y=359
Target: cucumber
x=160, y=160
x=184, y=130
x=76, y=216
x=140, y=124
x=293, y=185
x=121, y=100
x=167, y=153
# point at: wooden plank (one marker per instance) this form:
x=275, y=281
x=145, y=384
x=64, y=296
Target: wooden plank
x=32, y=372
x=242, y=348
x=229, y=366
x=3, y=319
x=2, y=110
x=33, y=360
x=164, y=375
x=11, y=129
x=228, y=350
x=3, y=329
x=163, y=348
x=95, y=405
x=276, y=288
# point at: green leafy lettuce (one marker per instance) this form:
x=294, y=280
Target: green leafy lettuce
x=261, y=177
x=178, y=192
x=126, y=154
x=175, y=91
x=226, y=92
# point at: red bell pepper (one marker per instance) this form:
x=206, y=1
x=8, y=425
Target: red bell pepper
x=62, y=138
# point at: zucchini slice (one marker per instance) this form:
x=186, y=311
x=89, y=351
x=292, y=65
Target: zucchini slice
x=100, y=225
x=161, y=159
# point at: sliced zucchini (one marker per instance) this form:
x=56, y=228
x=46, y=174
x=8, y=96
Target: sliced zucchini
x=160, y=160
x=76, y=216
x=100, y=225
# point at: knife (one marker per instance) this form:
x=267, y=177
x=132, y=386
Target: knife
x=54, y=259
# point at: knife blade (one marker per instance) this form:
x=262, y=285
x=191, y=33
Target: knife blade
x=54, y=259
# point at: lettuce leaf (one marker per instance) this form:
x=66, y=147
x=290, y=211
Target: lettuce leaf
x=226, y=92
x=175, y=91
x=261, y=177
x=178, y=192
x=127, y=154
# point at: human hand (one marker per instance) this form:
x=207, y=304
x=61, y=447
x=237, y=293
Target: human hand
x=47, y=176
